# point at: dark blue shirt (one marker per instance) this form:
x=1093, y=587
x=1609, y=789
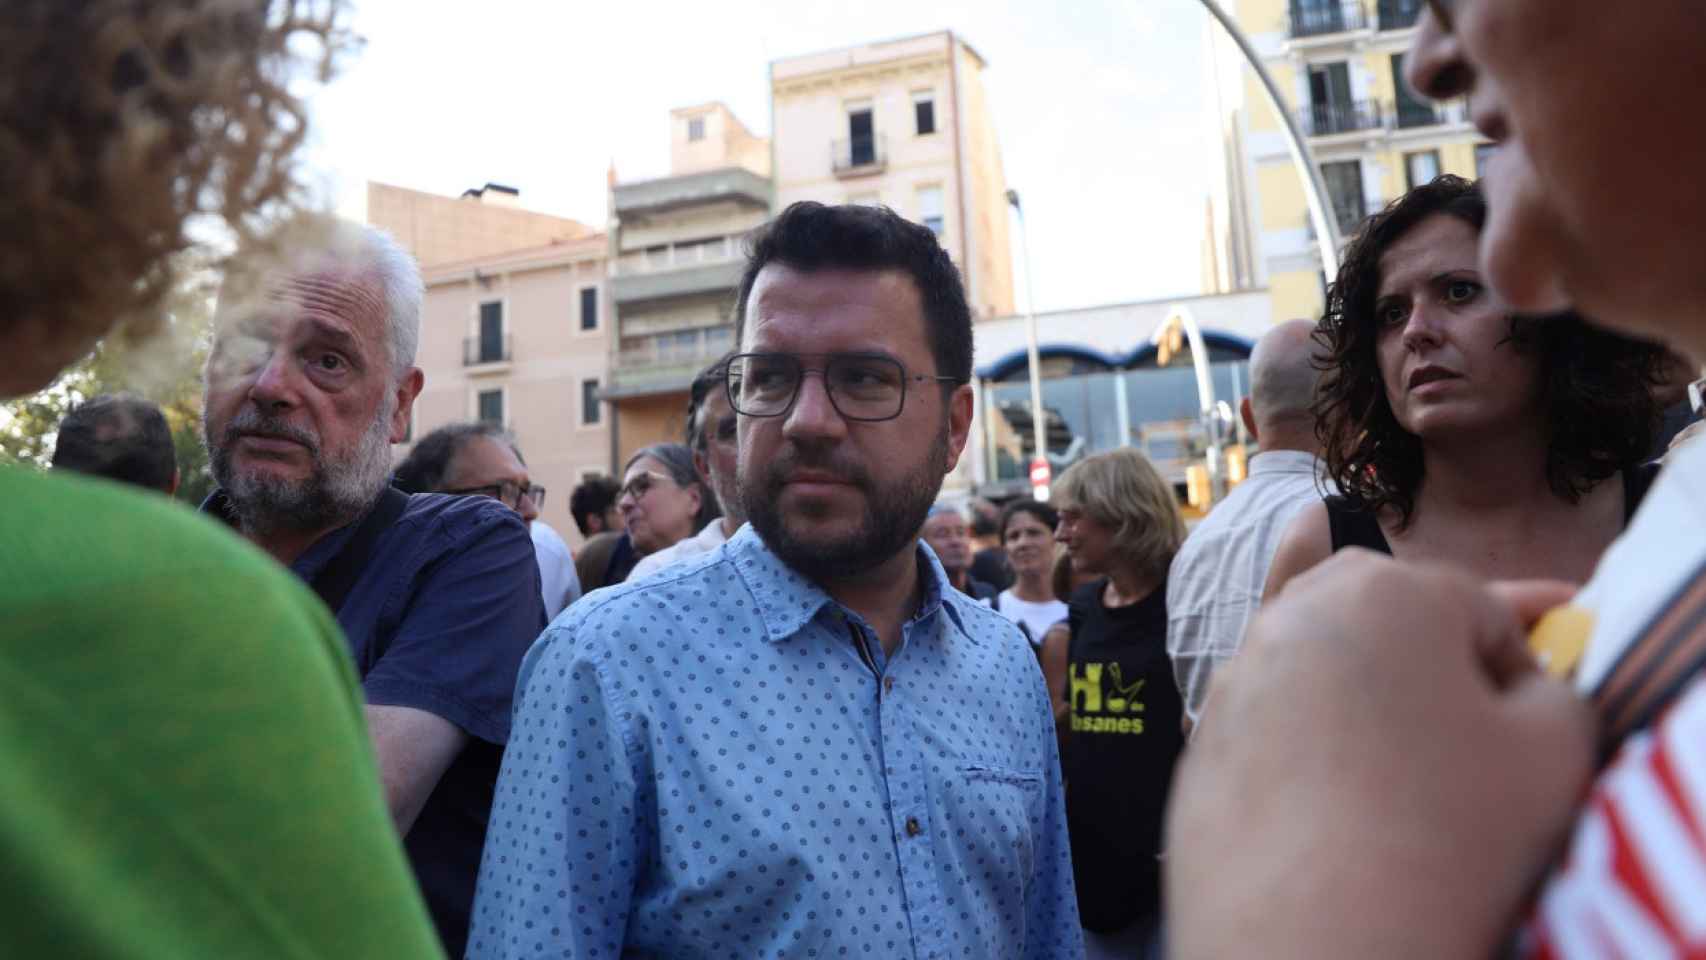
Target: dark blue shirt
x=439, y=620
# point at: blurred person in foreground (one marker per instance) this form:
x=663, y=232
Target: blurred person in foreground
x=806, y=742
x=1385, y=772
x=1457, y=432
x=711, y=436
x=945, y=531
x=1215, y=583
x=186, y=769
x=310, y=381
x=120, y=438
x=482, y=459
x=1026, y=530
x=1119, y=520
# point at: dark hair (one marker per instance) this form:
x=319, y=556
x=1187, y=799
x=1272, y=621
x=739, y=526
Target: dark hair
x=118, y=437
x=678, y=460
x=1036, y=508
x=710, y=378
x=811, y=236
x=426, y=466
x=592, y=498
x=1596, y=386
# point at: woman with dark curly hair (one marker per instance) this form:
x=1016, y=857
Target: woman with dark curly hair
x=1456, y=432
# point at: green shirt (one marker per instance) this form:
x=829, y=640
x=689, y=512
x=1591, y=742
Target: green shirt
x=184, y=768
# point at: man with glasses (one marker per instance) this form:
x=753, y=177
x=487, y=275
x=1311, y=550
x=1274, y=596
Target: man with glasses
x=310, y=381
x=482, y=459
x=1385, y=772
x=806, y=743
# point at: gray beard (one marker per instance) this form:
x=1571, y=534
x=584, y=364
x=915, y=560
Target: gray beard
x=894, y=513
x=335, y=491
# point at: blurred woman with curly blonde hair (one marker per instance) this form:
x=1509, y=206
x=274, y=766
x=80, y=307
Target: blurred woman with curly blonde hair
x=187, y=774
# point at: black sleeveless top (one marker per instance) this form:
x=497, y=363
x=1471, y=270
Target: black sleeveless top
x=1354, y=527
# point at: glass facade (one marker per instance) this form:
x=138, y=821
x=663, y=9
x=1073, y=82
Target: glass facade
x=1092, y=408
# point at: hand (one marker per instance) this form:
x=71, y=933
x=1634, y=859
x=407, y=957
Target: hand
x=1384, y=772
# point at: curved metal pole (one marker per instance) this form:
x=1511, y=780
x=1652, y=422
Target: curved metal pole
x=1314, y=188
x=1180, y=314
x=1039, y=421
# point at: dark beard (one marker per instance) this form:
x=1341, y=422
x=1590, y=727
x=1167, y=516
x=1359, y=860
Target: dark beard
x=894, y=512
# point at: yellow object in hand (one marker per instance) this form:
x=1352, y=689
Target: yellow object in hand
x=1560, y=638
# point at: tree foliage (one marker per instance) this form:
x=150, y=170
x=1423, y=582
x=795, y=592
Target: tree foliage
x=166, y=370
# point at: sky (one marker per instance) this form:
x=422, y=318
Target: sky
x=1099, y=108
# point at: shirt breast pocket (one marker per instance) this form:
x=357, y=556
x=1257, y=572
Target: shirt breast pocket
x=1004, y=803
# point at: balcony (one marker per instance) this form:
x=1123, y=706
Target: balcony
x=859, y=156
x=678, y=256
x=1399, y=14
x=1324, y=19
x=1330, y=119
x=653, y=197
x=486, y=351
x=668, y=362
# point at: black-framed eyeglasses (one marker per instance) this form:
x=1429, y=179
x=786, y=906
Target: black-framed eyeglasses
x=641, y=484
x=508, y=492
x=861, y=386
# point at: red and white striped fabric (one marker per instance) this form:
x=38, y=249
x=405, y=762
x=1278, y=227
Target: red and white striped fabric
x=1634, y=882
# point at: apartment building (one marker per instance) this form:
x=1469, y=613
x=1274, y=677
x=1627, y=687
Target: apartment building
x=676, y=254
x=904, y=123
x=1340, y=67
x=515, y=329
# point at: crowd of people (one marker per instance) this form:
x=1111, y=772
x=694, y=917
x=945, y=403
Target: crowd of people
x=789, y=700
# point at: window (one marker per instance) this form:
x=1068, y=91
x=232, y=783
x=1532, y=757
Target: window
x=930, y=208
x=1331, y=108
x=491, y=404
x=1344, y=187
x=491, y=331
x=1483, y=153
x=861, y=137
x=1421, y=168
x=924, y=111
x=695, y=128
x=589, y=308
x=590, y=412
x=1413, y=111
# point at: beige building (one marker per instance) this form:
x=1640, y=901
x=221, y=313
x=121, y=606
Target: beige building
x=518, y=335
x=676, y=249
x=904, y=123
x=1339, y=65
x=483, y=221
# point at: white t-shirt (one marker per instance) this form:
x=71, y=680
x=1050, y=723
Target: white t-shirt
x=557, y=579
x=1037, y=617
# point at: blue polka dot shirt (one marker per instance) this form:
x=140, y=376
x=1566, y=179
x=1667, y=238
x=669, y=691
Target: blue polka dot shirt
x=719, y=761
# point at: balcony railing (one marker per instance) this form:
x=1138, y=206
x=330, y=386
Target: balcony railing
x=1323, y=19
x=1327, y=119
x=477, y=351
x=678, y=256
x=1408, y=116
x=858, y=156
x=1399, y=14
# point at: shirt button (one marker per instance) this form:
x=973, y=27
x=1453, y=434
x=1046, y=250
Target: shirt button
x=888, y=684
x=912, y=827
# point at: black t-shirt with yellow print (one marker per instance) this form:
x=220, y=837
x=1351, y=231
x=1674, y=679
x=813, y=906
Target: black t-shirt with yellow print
x=1123, y=738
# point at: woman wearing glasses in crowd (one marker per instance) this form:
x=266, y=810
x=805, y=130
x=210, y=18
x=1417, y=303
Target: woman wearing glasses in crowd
x=663, y=501
x=1456, y=432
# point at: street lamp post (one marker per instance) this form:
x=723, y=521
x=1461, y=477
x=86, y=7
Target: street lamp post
x=1040, y=474
x=1179, y=316
x=1314, y=188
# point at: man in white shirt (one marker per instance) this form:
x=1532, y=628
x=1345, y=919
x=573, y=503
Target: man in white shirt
x=1216, y=579
x=711, y=434
x=557, y=578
